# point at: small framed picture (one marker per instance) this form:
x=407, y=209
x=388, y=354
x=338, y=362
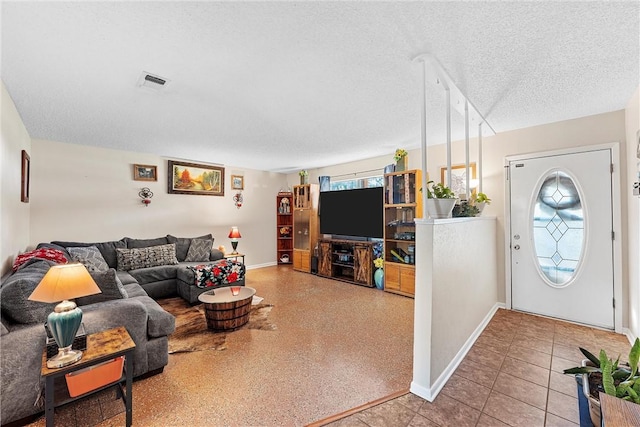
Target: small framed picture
x=237, y=182
x=145, y=173
x=26, y=172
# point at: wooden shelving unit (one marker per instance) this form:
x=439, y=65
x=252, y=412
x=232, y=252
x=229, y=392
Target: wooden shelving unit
x=305, y=224
x=284, y=223
x=402, y=205
x=346, y=260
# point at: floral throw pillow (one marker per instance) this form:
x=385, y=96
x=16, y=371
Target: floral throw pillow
x=220, y=273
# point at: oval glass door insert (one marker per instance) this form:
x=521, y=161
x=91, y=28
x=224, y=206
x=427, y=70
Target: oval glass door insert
x=558, y=229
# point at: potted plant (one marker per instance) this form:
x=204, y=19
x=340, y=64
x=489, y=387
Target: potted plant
x=480, y=201
x=440, y=200
x=304, y=177
x=401, y=159
x=602, y=374
x=465, y=209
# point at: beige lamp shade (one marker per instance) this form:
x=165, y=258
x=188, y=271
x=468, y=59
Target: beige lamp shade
x=65, y=282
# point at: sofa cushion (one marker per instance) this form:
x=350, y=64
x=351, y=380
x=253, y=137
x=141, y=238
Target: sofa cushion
x=43, y=253
x=199, y=250
x=132, y=259
x=135, y=290
x=126, y=278
x=15, y=291
x=145, y=243
x=107, y=249
x=111, y=287
x=154, y=274
x=183, y=243
x=90, y=257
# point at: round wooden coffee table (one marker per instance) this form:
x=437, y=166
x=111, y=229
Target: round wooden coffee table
x=228, y=308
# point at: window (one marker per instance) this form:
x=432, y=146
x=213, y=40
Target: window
x=350, y=184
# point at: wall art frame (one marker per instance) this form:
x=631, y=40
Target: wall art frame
x=237, y=182
x=25, y=177
x=195, y=178
x=145, y=172
x=458, y=177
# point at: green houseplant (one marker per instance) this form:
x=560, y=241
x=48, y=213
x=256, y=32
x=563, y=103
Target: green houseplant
x=602, y=374
x=480, y=201
x=440, y=200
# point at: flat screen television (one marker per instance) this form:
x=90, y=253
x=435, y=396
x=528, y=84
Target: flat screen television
x=352, y=213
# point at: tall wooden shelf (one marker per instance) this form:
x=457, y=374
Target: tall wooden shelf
x=305, y=224
x=402, y=205
x=284, y=222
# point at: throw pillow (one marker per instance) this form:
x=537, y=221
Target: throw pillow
x=199, y=250
x=107, y=249
x=110, y=285
x=183, y=243
x=90, y=256
x=133, y=259
x=54, y=255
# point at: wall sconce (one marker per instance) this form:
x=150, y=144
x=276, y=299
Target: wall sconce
x=238, y=199
x=146, y=195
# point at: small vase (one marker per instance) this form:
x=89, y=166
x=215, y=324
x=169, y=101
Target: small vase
x=401, y=165
x=304, y=180
x=378, y=278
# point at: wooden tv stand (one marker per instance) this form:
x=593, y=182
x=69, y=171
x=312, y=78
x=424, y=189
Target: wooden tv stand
x=347, y=260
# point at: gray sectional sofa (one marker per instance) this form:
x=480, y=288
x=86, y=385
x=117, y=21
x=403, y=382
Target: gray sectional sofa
x=128, y=299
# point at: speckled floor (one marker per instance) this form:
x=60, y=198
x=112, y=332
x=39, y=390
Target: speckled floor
x=336, y=347
x=339, y=346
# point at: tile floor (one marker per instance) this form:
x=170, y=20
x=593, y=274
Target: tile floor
x=512, y=376
x=338, y=346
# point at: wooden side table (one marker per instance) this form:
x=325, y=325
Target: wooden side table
x=101, y=347
x=234, y=256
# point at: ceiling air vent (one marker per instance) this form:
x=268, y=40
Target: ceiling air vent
x=152, y=81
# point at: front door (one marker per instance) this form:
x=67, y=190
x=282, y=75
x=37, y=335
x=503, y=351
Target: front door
x=561, y=236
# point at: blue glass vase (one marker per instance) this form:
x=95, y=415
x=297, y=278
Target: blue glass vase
x=378, y=278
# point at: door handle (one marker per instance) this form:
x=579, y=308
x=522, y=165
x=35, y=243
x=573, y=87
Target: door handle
x=516, y=247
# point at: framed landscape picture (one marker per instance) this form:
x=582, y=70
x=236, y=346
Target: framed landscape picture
x=237, y=182
x=145, y=173
x=194, y=178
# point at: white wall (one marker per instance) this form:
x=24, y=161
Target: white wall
x=14, y=214
x=84, y=193
x=632, y=123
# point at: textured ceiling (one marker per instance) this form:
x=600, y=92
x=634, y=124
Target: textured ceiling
x=288, y=85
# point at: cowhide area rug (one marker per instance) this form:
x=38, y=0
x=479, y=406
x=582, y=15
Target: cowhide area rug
x=191, y=332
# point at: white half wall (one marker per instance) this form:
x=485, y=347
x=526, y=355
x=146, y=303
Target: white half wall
x=456, y=295
x=14, y=214
x=84, y=193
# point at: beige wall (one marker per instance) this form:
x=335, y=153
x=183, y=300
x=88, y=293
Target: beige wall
x=592, y=130
x=632, y=122
x=84, y=193
x=14, y=215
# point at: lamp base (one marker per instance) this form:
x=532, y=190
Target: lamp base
x=234, y=245
x=66, y=356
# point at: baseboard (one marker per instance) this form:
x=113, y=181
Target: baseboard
x=430, y=393
x=630, y=335
x=266, y=264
